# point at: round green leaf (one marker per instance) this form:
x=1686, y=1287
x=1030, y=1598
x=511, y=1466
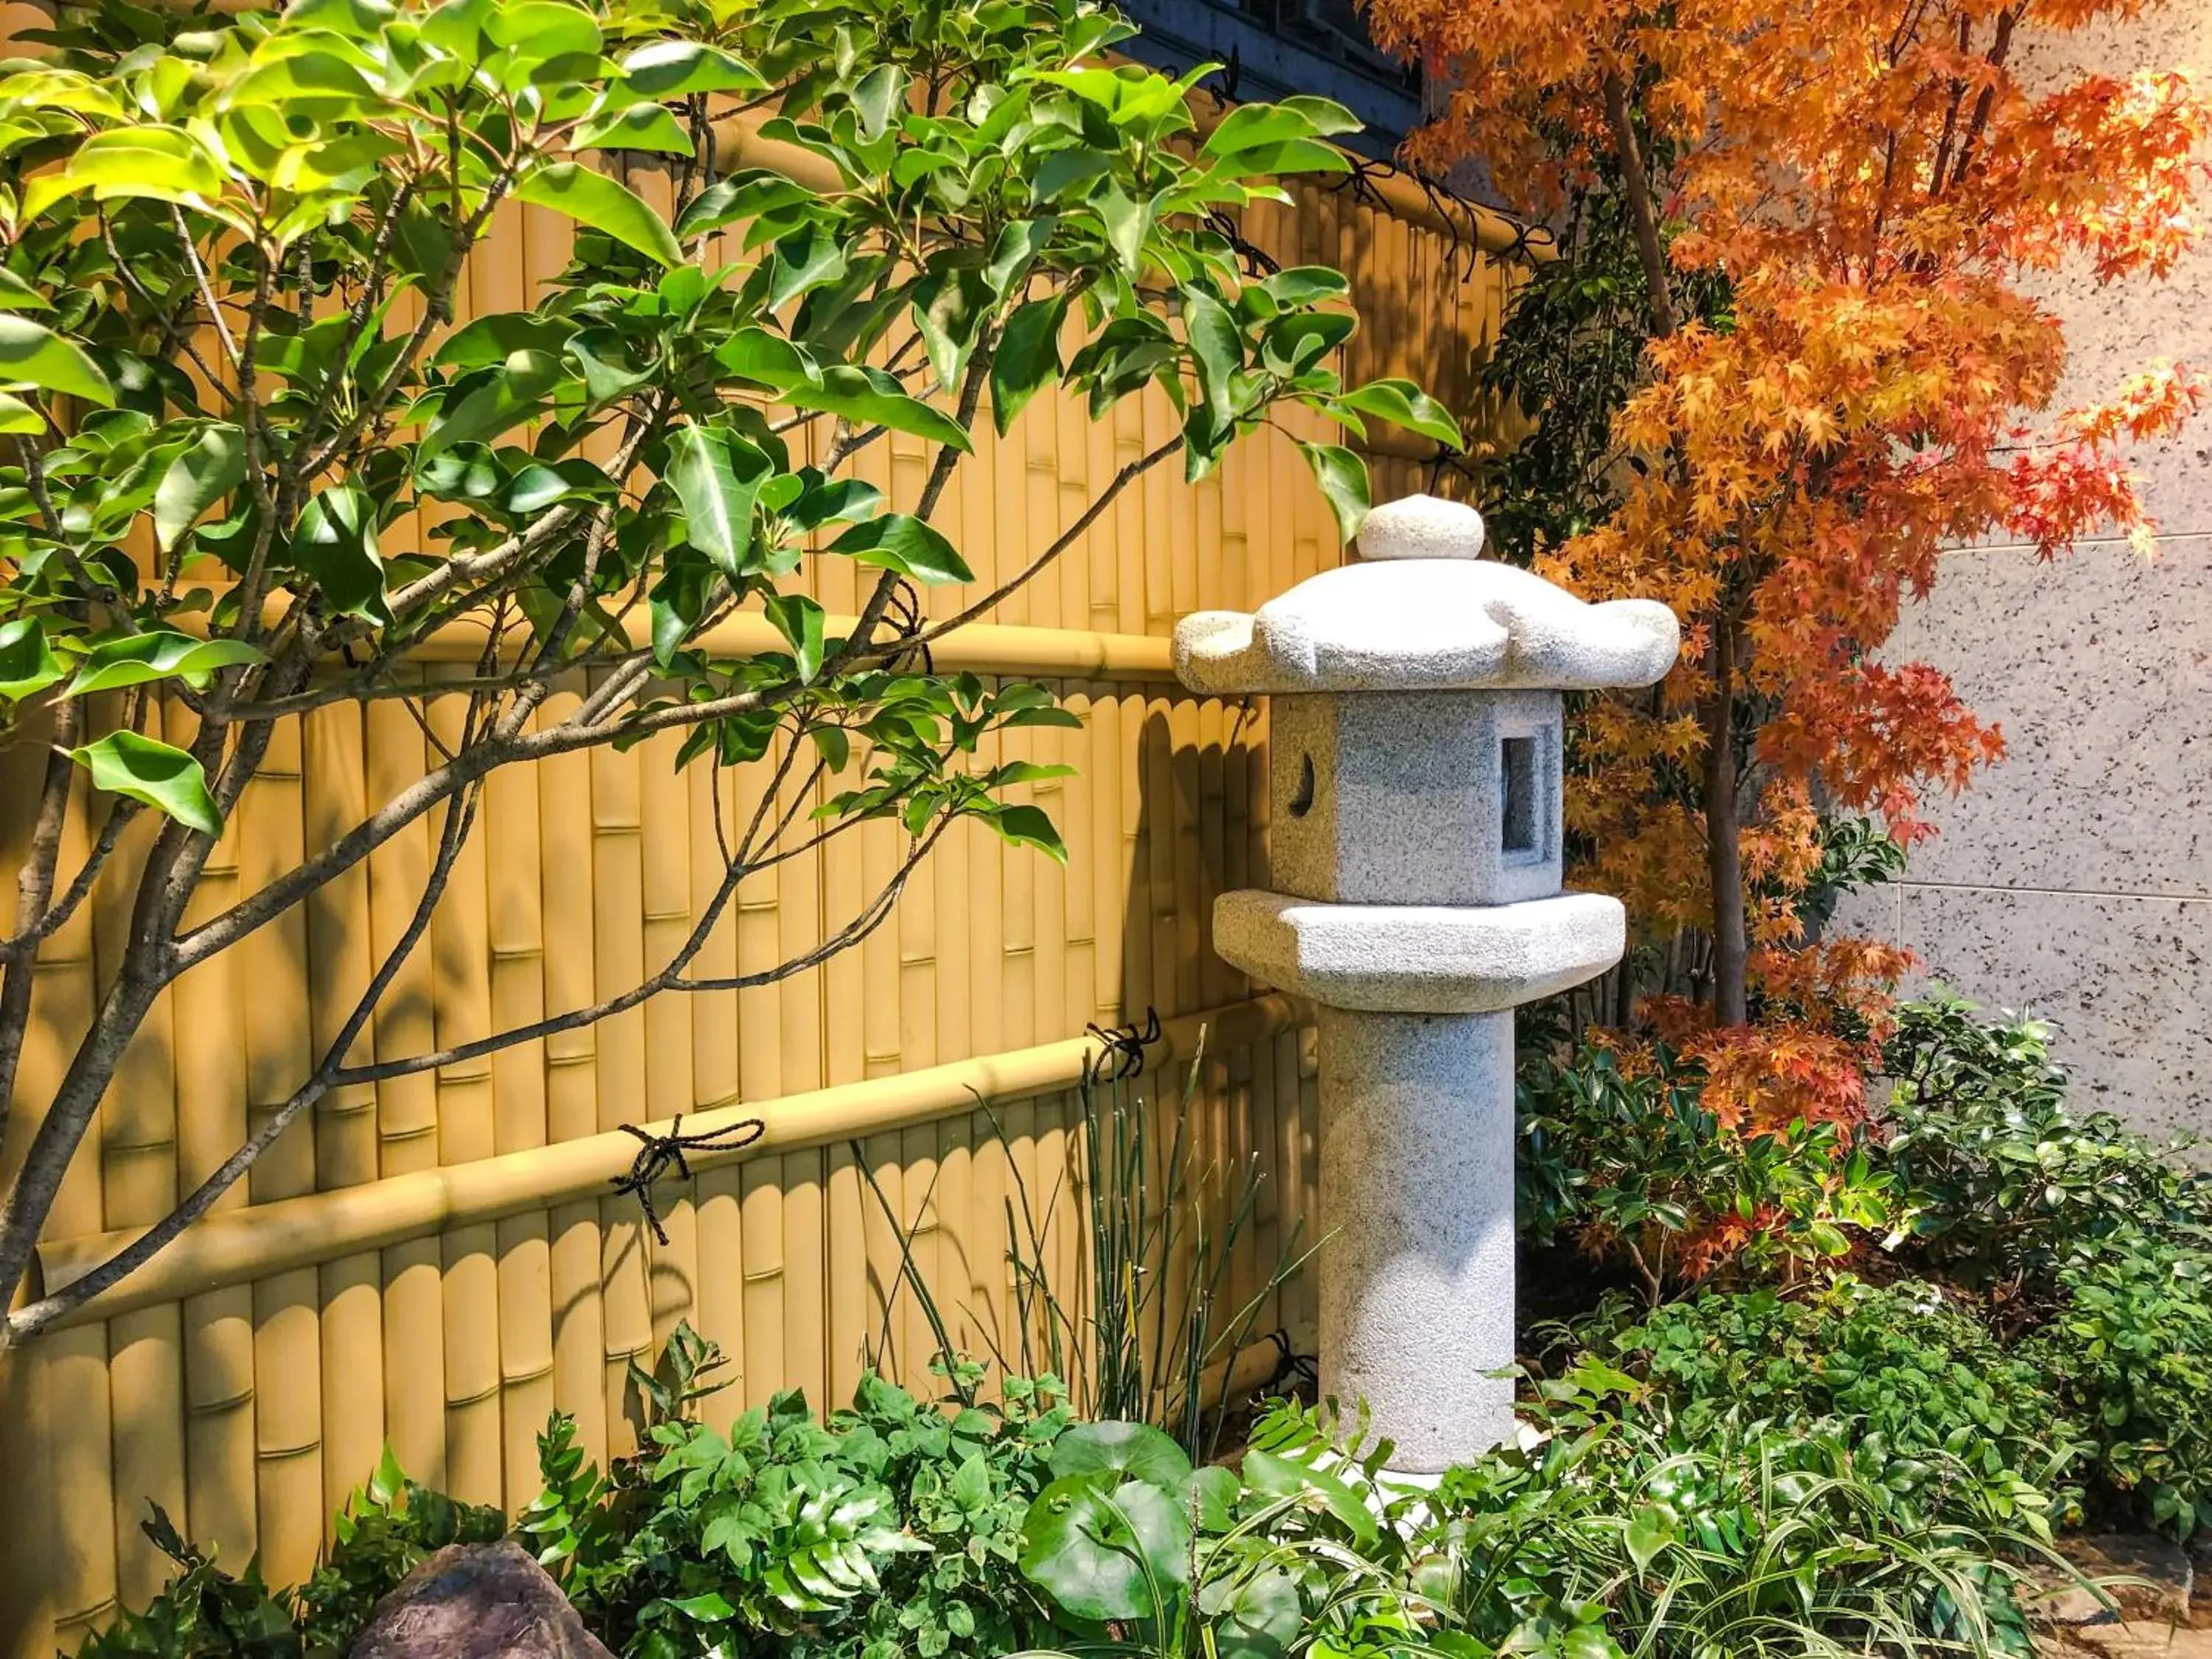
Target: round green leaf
x=1136, y=1449
x=1102, y=1551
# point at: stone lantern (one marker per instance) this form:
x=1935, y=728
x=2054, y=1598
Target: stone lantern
x=1415, y=801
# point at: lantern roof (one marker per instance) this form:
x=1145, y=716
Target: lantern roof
x=1423, y=611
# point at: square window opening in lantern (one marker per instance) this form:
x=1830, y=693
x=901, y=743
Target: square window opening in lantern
x=1517, y=791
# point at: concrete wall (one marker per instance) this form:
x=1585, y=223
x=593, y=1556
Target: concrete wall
x=2075, y=880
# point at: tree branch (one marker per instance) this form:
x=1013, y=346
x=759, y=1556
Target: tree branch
x=34, y=886
x=28, y=1322
x=1129, y=474
x=669, y=978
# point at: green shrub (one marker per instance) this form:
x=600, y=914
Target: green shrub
x=1898, y=1370
x=2007, y=1183
x=2085, y=1250
x=1634, y=1167
x=2131, y=1352
x=1303, y=1552
x=1626, y=1529
x=893, y=1528
x=2076, y=1231
x=386, y=1528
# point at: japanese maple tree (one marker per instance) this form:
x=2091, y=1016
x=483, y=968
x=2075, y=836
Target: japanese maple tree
x=1833, y=212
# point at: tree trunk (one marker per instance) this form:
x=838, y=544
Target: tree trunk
x=24, y=1210
x=1637, y=182
x=1723, y=853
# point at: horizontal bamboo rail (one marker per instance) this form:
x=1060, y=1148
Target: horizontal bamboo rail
x=977, y=647
x=980, y=648
x=241, y=1246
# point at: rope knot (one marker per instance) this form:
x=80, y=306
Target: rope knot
x=656, y=1153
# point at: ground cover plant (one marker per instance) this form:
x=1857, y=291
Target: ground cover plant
x=255, y=462
x=902, y=1526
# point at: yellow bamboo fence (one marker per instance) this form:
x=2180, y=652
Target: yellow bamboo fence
x=438, y=1261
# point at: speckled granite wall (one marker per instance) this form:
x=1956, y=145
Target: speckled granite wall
x=2075, y=880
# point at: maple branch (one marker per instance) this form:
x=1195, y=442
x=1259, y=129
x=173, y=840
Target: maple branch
x=2000, y=47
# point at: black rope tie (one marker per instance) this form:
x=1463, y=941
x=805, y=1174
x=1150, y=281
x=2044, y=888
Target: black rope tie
x=658, y=1152
x=1256, y=259
x=903, y=612
x=1291, y=1365
x=1122, y=1051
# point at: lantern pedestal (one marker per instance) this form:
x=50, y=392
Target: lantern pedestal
x=1417, y=1211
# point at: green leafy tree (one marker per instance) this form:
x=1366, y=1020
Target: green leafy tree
x=234, y=385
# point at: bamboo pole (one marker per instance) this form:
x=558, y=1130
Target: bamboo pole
x=243, y=1245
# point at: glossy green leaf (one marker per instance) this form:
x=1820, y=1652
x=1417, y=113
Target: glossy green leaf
x=717, y=475
x=17, y=417
x=1135, y=1449
x=1281, y=1477
x=503, y=398
x=162, y=163
x=1102, y=1550
x=1027, y=358
x=16, y=294
x=869, y=396
x=604, y=204
x=950, y=309
x=31, y=354
x=745, y=195
x=1015, y=252
x=1305, y=285
x=798, y=619
x=1403, y=404
x=135, y=659
x=210, y=468
x=161, y=776
x=641, y=126
x=1342, y=476
x=768, y=360
x=1218, y=348
x=541, y=30
x=1259, y=1618
x=1031, y=826
x=676, y=69
x=878, y=98
x=806, y=258
x=1129, y=221
x=831, y=500
x=1265, y=126
x=28, y=664
x=900, y=541
x=335, y=543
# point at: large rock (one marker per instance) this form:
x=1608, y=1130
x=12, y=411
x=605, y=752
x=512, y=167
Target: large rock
x=477, y=1602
